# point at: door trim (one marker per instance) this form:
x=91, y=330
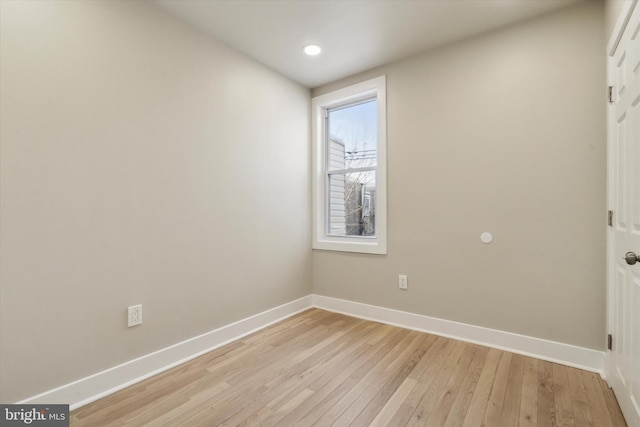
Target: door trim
x=614, y=41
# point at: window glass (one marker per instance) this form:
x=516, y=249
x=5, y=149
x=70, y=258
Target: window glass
x=351, y=161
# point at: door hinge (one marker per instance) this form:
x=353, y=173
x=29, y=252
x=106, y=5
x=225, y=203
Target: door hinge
x=610, y=219
x=609, y=342
x=610, y=94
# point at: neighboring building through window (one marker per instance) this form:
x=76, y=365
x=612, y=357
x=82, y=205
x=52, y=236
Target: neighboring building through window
x=349, y=137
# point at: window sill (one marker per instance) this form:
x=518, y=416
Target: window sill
x=372, y=246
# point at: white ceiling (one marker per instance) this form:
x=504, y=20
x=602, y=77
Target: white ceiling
x=355, y=35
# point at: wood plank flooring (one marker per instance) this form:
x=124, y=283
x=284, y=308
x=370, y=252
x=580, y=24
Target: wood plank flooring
x=320, y=369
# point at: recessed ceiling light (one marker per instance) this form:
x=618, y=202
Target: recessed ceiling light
x=312, y=49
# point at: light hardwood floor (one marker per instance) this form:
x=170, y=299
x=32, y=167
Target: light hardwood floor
x=321, y=368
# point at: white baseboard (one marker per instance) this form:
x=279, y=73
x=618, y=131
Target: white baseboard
x=96, y=386
x=566, y=354
x=93, y=387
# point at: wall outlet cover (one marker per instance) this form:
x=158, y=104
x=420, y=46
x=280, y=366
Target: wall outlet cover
x=134, y=315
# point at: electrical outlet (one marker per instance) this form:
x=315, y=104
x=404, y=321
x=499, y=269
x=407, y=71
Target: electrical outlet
x=134, y=315
x=403, y=282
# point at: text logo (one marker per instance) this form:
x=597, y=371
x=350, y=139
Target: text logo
x=34, y=415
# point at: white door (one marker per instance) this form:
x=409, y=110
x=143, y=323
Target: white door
x=624, y=234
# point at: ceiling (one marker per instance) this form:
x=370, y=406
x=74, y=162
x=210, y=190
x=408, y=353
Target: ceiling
x=355, y=35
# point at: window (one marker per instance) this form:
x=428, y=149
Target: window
x=349, y=161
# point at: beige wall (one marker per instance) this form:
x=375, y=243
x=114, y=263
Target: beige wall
x=139, y=161
x=502, y=133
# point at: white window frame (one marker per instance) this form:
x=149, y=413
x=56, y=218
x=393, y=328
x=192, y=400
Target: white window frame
x=319, y=106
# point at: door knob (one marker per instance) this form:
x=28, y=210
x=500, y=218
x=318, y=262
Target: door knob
x=631, y=258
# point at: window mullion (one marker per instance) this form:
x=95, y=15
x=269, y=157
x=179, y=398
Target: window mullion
x=351, y=170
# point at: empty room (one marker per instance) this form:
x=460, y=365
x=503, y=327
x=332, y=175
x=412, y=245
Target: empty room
x=320, y=212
